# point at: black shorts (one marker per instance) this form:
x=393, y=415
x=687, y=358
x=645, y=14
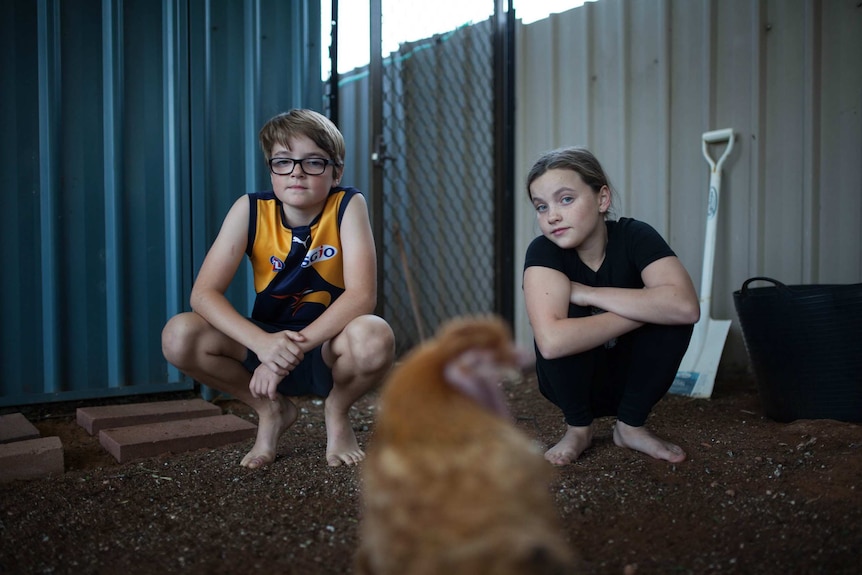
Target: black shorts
x=311, y=377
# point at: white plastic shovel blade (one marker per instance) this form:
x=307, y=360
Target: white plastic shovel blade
x=696, y=374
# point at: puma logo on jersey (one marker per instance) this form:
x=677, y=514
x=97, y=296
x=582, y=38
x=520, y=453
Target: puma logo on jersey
x=304, y=242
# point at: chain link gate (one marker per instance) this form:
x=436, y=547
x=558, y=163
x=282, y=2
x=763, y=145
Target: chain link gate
x=439, y=231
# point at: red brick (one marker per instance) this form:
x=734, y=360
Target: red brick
x=16, y=427
x=97, y=418
x=138, y=441
x=31, y=458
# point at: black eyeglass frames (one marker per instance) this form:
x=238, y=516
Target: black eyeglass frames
x=310, y=166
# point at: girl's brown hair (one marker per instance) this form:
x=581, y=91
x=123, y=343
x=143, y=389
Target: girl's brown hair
x=574, y=158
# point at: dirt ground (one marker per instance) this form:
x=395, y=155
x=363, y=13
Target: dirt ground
x=754, y=496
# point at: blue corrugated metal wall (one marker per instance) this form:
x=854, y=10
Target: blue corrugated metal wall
x=128, y=129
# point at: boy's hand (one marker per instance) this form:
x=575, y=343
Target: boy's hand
x=281, y=352
x=264, y=383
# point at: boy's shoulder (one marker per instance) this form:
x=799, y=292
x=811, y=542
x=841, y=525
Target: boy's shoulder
x=346, y=191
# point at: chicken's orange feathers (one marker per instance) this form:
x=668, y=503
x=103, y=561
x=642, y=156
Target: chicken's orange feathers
x=417, y=388
x=450, y=484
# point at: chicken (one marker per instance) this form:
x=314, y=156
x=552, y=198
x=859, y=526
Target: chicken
x=450, y=485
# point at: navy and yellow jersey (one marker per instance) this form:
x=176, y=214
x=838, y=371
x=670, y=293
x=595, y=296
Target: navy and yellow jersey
x=298, y=272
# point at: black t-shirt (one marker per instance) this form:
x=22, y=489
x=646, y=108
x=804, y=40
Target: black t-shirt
x=632, y=246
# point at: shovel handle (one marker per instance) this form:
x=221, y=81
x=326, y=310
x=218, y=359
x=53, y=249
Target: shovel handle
x=715, y=137
x=712, y=137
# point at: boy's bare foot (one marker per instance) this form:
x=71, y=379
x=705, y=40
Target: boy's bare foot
x=273, y=419
x=574, y=442
x=641, y=439
x=341, y=444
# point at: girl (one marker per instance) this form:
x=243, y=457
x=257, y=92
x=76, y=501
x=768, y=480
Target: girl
x=610, y=305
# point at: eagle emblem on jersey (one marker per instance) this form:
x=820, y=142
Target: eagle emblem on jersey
x=296, y=301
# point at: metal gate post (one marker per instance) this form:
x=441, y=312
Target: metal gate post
x=375, y=75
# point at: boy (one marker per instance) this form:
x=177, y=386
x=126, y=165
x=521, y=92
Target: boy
x=311, y=330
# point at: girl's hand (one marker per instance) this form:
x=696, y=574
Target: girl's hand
x=579, y=294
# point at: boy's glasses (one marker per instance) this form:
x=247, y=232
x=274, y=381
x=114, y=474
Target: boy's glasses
x=310, y=166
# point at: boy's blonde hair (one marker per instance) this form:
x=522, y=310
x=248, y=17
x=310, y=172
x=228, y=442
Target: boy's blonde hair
x=300, y=122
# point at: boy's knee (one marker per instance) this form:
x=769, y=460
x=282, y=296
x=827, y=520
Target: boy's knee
x=372, y=343
x=382, y=345
x=176, y=336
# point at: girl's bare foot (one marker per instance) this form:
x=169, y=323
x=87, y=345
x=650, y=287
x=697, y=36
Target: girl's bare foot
x=341, y=444
x=274, y=417
x=641, y=439
x=574, y=442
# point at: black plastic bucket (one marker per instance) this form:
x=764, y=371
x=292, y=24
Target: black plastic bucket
x=805, y=347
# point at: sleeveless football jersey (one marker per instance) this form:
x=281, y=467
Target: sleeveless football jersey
x=298, y=272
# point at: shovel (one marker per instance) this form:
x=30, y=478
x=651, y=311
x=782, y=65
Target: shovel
x=696, y=374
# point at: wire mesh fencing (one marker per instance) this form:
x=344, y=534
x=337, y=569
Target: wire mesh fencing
x=438, y=191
